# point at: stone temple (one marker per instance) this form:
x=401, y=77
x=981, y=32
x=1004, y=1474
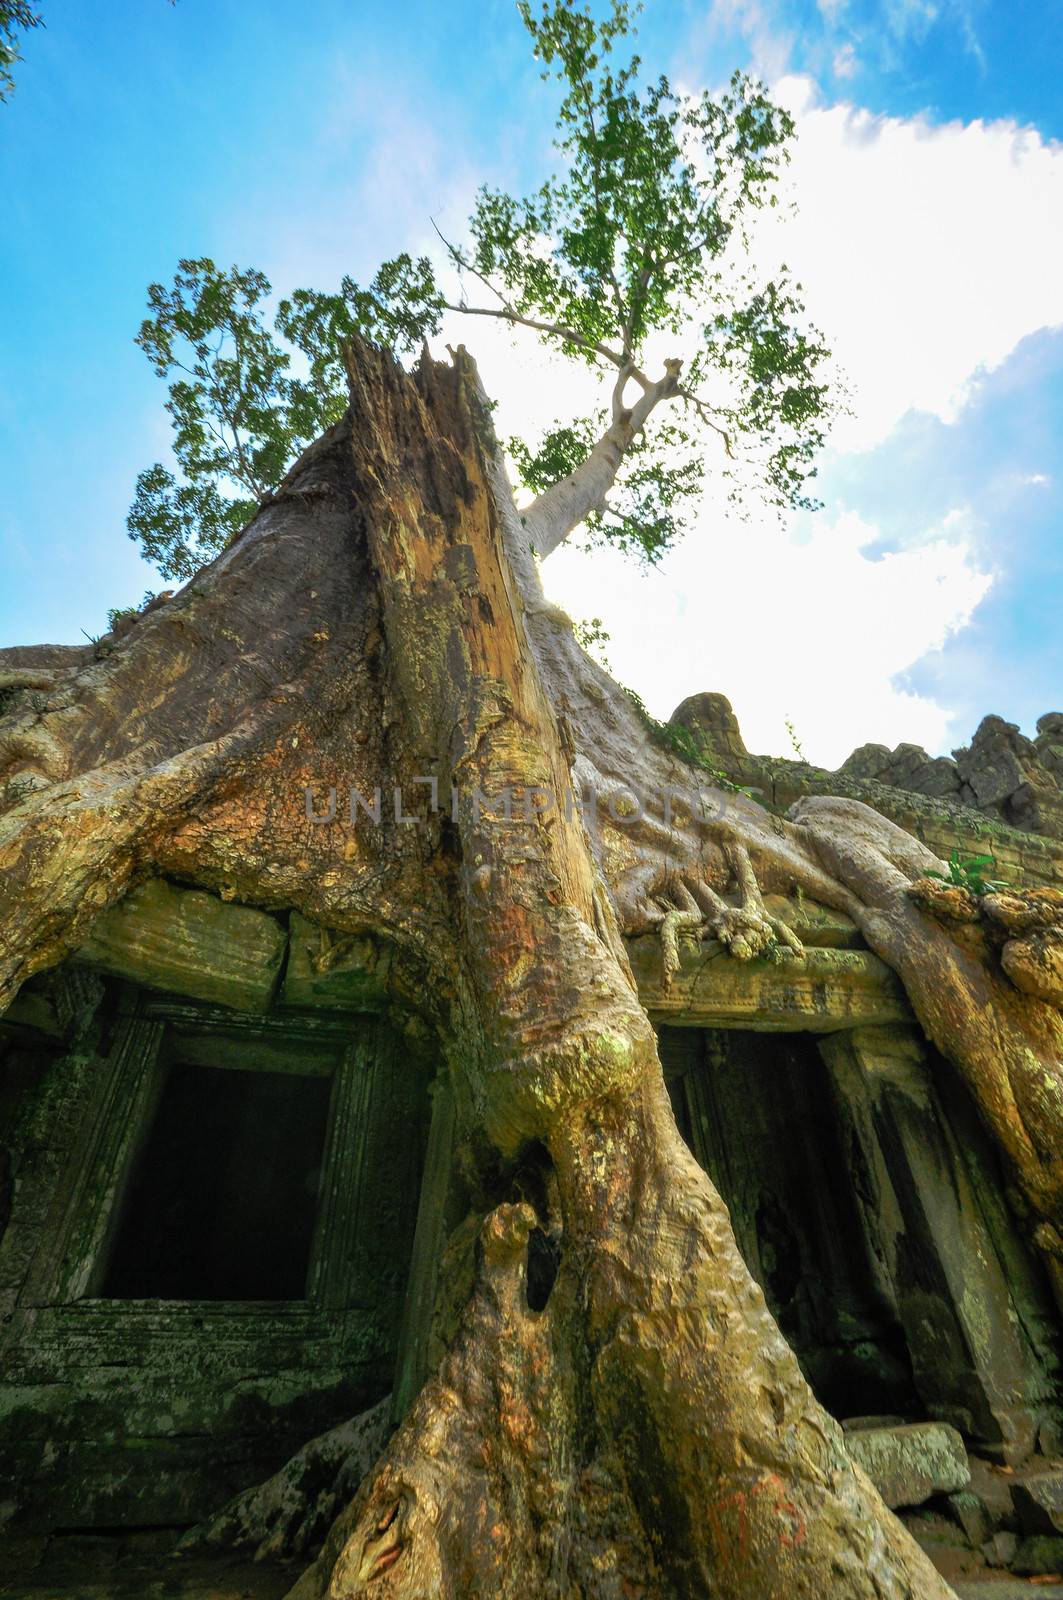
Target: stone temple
x=225, y=1187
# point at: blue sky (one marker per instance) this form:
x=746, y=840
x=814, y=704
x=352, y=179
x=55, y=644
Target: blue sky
x=927, y=591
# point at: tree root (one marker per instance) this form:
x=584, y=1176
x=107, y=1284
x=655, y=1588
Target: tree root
x=647, y=1434
x=290, y=1514
x=685, y=904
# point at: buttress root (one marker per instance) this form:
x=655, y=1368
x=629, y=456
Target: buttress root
x=683, y=905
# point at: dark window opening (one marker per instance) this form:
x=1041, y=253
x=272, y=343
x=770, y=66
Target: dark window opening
x=223, y=1197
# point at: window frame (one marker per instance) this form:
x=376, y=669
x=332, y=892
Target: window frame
x=69, y=1276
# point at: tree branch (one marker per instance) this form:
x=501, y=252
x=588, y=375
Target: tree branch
x=557, y=329
x=506, y=313
x=552, y=516
x=705, y=414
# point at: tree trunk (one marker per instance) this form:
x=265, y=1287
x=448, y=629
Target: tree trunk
x=648, y=1431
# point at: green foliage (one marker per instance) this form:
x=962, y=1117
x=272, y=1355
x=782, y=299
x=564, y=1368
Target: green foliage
x=652, y=187
x=120, y=614
x=592, y=636
x=969, y=872
x=640, y=238
x=401, y=308
x=644, y=234
x=795, y=742
x=16, y=17
x=239, y=413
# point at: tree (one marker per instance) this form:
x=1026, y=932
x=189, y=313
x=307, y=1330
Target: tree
x=640, y=243
x=380, y=619
x=239, y=415
x=16, y=17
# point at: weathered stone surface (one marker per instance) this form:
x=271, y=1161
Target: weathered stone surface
x=1035, y=965
x=824, y=990
x=122, y=1411
x=32, y=1008
x=972, y=1515
x=945, y=1545
x=192, y=943
x=709, y=718
x=1003, y=774
x=994, y=766
x=80, y=1565
x=999, y=1551
x=993, y=1487
x=1041, y=1553
x=907, y=767
x=816, y=926
x=867, y=761
x=1038, y=1500
x=907, y=1465
x=927, y=1193
x=758, y=1112
x=325, y=969
x=1049, y=744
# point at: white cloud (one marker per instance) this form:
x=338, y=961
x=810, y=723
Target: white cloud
x=815, y=631
x=844, y=63
x=910, y=17
x=927, y=252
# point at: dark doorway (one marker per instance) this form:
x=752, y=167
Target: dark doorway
x=223, y=1197
x=757, y=1111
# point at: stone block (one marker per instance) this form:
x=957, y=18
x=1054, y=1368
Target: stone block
x=1038, y=1500
x=993, y=1487
x=712, y=722
x=823, y=990
x=190, y=943
x=1038, y=1556
x=999, y=1551
x=816, y=926
x=972, y=1360
x=332, y=970
x=909, y=1464
x=970, y=1512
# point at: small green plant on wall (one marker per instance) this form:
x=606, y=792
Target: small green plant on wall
x=969, y=872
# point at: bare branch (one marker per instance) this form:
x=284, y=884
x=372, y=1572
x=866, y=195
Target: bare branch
x=705, y=414
x=557, y=329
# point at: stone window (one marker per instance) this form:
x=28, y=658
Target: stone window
x=223, y=1194
x=211, y=1232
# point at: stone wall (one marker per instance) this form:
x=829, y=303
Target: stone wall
x=118, y=1409
x=1002, y=795
x=865, y=1195
x=1001, y=773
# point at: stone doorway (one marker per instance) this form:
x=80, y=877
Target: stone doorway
x=759, y=1113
